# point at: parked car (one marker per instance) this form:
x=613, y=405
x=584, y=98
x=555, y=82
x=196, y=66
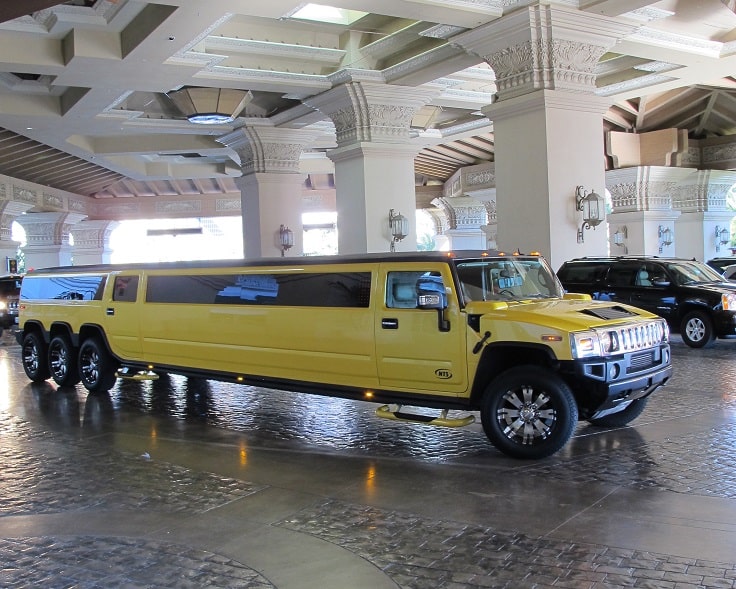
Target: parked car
x=720, y=264
x=697, y=302
x=729, y=272
x=9, y=295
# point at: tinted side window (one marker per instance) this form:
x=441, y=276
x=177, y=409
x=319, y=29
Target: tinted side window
x=73, y=288
x=126, y=288
x=330, y=289
x=623, y=275
x=583, y=273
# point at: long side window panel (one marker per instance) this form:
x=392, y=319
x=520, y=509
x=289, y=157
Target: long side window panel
x=329, y=289
x=70, y=288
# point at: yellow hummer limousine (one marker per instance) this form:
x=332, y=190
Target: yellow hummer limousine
x=467, y=330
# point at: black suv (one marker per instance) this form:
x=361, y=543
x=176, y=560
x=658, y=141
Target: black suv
x=694, y=299
x=9, y=296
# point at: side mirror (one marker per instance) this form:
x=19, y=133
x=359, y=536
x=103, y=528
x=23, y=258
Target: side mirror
x=431, y=295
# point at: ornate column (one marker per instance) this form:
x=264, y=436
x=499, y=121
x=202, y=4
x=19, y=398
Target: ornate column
x=374, y=159
x=547, y=122
x=271, y=185
x=92, y=242
x=641, y=200
x=47, y=238
x=701, y=200
x=468, y=202
x=9, y=212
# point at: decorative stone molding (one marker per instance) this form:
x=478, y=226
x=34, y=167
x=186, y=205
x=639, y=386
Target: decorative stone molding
x=644, y=188
x=48, y=229
x=471, y=181
x=92, y=235
x=704, y=191
x=369, y=112
x=193, y=207
x=462, y=212
x=543, y=47
x=228, y=204
x=263, y=148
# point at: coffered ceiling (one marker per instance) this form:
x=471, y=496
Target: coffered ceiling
x=85, y=86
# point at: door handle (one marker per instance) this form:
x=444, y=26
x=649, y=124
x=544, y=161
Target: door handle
x=389, y=323
x=110, y=311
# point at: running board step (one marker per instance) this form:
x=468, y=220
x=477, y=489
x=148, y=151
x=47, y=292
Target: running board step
x=385, y=412
x=129, y=373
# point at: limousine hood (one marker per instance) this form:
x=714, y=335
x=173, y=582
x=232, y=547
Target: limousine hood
x=563, y=314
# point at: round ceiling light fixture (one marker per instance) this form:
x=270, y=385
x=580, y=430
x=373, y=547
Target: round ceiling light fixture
x=210, y=106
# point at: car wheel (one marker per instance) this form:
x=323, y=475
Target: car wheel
x=96, y=366
x=696, y=330
x=624, y=417
x=33, y=356
x=528, y=412
x=63, y=361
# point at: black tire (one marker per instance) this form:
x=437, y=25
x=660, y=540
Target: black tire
x=33, y=356
x=63, y=361
x=550, y=413
x=697, y=330
x=622, y=418
x=96, y=366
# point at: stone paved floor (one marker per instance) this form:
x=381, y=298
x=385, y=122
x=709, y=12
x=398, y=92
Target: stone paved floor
x=188, y=483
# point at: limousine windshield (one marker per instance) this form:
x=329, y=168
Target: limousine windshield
x=507, y=279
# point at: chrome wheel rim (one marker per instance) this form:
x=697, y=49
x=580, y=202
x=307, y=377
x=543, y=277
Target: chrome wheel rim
x=58, y=361
x=90, y=366
x=695, y=329
x=30, y=358
x=526, y=416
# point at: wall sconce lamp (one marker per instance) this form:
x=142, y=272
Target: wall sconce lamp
x=622, y=233
x=591, y=205
x=286, y=239
x=723, y=236
x=665, y=237
x=398, y=226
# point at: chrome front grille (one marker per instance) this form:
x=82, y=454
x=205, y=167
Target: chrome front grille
x=637, y=337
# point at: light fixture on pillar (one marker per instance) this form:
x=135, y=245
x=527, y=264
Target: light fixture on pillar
x=665, y=237
x=398, y=226
x=592, y=206
x=619, y=238
x=286, y=239
x=210, y=106
x=723, y=236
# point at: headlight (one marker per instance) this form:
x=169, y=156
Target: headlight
x=3, y=305
x=728, y=300
x=585, y=344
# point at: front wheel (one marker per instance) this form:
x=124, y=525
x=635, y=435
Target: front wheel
x=33, y=356
x=96, y=366
x=623, y=417
x=63, y=361
x=696, y=330
x=528, y=412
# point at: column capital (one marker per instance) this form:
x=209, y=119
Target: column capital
x=265, y=148
x=371, y=112
x=704, y=191
x=544, y=47
x=43, y=229
x=644, y=188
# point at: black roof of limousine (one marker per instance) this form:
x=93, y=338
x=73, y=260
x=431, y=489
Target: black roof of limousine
x=290, y=261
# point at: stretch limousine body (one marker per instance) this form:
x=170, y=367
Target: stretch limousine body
x=469, y=331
